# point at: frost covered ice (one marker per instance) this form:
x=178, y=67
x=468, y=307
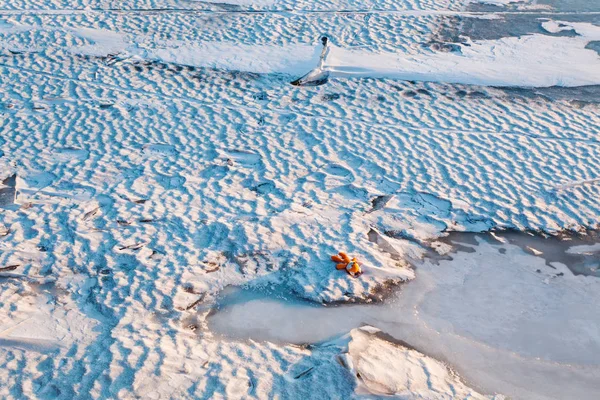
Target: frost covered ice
x=492, y=303
x=154, y=159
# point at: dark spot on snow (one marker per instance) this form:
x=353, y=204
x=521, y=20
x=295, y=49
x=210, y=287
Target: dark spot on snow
x=477, y=94
x=264, y=188
x=304, y=373
x=188, y=288
x=331, y=96
x=11, y=181
x=316, y=82
x=594, y=45
x=195, y=303
x=262, y=96
x=581, y=104
x=210, y=267
x=398, y=234
x=445, y=47
x=8, y=191
x=379, y=202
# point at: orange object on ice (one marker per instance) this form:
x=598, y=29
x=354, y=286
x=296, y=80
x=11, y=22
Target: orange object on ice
x=351, y=265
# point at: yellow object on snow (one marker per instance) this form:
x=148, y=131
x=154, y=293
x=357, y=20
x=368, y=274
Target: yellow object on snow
x=351, y=266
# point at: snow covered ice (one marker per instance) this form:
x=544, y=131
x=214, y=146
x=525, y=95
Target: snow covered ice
x=169, y=201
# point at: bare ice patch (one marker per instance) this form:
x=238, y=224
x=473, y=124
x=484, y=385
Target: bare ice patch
x=7, y=191
x=497, y=304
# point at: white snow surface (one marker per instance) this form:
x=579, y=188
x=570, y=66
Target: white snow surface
x=531, y=60
x=153, y=154
x=385, y=368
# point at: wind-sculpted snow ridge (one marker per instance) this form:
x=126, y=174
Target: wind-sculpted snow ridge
x=236, y=45
x=243, y=34
x=233, y=5
x=382, y=367
x=257, y=5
